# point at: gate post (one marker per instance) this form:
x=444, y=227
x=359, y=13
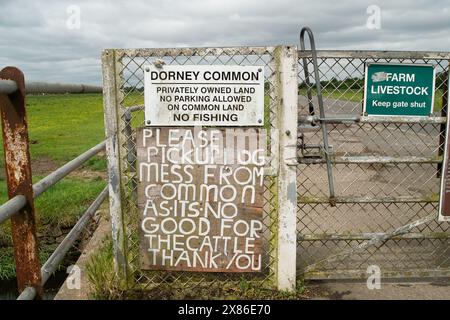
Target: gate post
x=287, y=100
x=18, y=172
x=110, y=106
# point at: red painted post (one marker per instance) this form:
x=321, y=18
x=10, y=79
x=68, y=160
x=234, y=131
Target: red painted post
x=18, y=172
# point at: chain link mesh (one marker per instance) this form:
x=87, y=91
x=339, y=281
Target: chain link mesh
x=374, y=198
x=131, y=116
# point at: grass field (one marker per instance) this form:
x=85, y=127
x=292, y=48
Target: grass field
x=60, y=128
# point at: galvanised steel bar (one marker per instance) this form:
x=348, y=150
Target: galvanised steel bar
x=29, y=293
x=376, y=119
x=373, y=159
x=11, y=207
x=43, y=87
x=7, y=86
x=135, y=108
x=70, y=166
x=399, y=199
x=57, y=256
x=321, y=107
x=19, y=181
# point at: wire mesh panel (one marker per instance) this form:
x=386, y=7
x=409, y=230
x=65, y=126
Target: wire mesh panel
x=129, y=81
x=386, y=176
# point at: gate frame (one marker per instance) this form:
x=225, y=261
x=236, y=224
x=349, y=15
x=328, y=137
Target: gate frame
x=376, y=238
x=283, y=151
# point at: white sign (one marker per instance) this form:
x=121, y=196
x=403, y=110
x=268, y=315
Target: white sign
x=191, y=95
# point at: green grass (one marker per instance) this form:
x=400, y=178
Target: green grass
x=56, y=209
x=355, y=95
x=63, y=126
x=105, y=285
x=60, y=128
x=101, y=274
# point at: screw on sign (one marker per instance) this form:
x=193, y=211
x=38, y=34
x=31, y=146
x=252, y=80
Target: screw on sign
x=393, y=89
x=216, y=95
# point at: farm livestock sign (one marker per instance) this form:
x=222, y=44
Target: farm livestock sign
x=190, y=95
x=200, y=197
x=399, y=89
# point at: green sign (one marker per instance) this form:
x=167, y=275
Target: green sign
x=399, y=89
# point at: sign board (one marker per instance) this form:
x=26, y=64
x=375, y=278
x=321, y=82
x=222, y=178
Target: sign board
x=444, y=198
x=190, y=95
x=200, y=198
x=393, y=89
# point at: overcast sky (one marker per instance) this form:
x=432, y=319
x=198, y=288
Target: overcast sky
x=34, y=34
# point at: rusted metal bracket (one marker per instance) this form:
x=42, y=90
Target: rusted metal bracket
x=19, y=181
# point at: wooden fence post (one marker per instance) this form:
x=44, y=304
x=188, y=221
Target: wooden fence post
x=19, y=181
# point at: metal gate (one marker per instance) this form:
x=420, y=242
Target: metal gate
x=386, y=175
x=386, y=172
x=123, y=80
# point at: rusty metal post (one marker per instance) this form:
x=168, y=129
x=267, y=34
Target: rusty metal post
x=18, y=172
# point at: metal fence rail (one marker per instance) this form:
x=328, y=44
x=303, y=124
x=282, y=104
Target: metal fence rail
x=44, y=87
x=385, y=172
x=51, y=265
x=9, y=86
x=19, y=208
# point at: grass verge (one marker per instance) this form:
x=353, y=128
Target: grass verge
x=105, y=285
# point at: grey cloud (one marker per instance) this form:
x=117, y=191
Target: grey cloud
x=36, y=39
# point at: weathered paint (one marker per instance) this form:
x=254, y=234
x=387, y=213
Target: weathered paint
x=287, y=180
x=19, y=181
x=173, y=52
x=110, y=106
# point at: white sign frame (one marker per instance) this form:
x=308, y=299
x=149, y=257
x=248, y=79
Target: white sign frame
x=191, y=80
